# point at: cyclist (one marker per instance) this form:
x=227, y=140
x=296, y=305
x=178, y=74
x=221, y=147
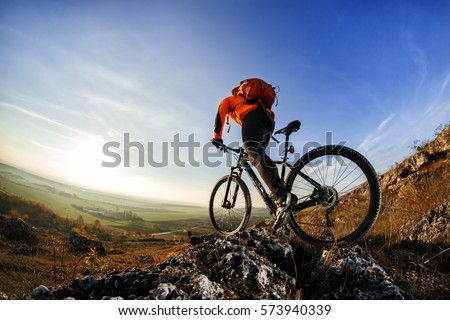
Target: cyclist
x=257, y=121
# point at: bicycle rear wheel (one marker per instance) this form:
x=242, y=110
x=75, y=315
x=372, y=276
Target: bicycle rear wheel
x=230, y=211
x=345, y=203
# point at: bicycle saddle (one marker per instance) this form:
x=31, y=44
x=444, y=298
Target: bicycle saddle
x=291, y=127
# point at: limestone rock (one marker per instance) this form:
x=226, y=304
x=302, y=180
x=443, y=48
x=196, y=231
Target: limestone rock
x=80, y=243
x=17, y=230
x=432, y=227
x=351, y=273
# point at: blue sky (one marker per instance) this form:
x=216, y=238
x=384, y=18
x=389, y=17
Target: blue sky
x=75, y=75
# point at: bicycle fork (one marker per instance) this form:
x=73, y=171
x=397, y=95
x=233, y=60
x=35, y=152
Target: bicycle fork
x=227, y=204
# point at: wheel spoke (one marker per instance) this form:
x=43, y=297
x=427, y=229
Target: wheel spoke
x=346, y=176
x=232, y=217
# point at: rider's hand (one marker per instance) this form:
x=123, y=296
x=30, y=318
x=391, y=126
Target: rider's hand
x=218, y=143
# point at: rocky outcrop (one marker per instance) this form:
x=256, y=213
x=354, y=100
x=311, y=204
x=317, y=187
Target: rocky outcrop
x=350, y=273
x=25, y=250
x=145, y=258
x=252, y=264
x=80, y=243
x=41, y=292
x=410, y=168
x=432, y=227
x=17, y=230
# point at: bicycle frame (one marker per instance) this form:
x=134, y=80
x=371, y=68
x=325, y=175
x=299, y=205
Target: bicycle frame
x=243, y=163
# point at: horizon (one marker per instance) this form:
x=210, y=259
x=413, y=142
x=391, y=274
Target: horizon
x=101, y=192
x=79, y=75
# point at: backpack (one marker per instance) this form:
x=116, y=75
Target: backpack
x=256, y=90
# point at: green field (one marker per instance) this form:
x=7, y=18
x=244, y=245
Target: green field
x=73, y=202
x=123, y=212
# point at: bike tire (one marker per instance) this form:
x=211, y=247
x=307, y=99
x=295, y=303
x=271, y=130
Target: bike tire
x=228, y=221
x=352, y=192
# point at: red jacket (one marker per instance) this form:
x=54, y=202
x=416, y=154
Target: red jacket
x=236, y=107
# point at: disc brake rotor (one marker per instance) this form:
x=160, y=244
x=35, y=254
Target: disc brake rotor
x=331, y=197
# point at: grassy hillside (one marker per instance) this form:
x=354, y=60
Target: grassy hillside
x=122, y=212
x=51, y=263
x=413, y=187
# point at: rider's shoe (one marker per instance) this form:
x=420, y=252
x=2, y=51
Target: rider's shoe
x=284, y=205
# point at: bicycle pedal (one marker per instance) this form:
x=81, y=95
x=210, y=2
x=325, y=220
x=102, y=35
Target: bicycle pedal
x=280, y=220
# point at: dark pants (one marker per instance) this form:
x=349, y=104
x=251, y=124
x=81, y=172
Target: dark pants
x=257, y=127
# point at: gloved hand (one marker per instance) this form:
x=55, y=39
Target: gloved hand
x=218, y=143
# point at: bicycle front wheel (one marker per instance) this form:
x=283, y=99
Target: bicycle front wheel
x=341, y=201
x=230, y=205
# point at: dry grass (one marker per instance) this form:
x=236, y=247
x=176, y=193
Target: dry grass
x=421, y=194
x=408, y=199
x=58, y=266
x=55, y=264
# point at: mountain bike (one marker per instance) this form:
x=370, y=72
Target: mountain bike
x=338, y=192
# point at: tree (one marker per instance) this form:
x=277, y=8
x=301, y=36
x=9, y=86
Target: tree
x=96, y=225
x=80, y=222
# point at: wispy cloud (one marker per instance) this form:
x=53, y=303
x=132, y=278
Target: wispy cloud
x=101, y=101
x=45, y=120
x=373, y=139
x=445, y=83
x=380, y=145
x=385, y=122
x=53, y=150
x=105, y=77
x=417, y=54
x=37, y=102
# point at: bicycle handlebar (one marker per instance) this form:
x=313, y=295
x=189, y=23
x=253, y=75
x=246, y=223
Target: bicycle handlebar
x=293, y=126
x=226, y=148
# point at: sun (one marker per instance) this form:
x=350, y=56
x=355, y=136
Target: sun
x=84, y=164
x=84, y=168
